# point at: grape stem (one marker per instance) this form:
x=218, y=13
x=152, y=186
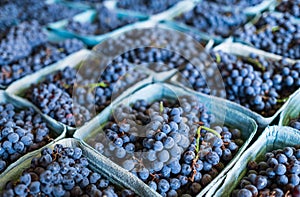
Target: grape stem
x=283, y=100
x=161, y=107
x=91, y=86
x=256, y=63
x=198, y=146
x=275, y=28
x=218, y=58
x=100, y=84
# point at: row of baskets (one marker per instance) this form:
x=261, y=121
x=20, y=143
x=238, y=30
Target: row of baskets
x=273, y=137
x=168, y=17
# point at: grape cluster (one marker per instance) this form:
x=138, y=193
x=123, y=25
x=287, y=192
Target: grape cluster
x=48, y=13
x=278, y=35
x=289, y=6
x=55, y=95
x=254, y=82
x=87, y=1
x=168, y=146
x=40, y=57
x=159, y=49
x=276, y=175
x=240, y=3
x=157, y=59
x=21, y=131
x=146, y=7
x=105, y=21
x=19, y=41
x=8, y=16
x=63, y=171
x=117, y=77
x=219, y=21
x=295, y=123
x=12, y=13
x=43, y=12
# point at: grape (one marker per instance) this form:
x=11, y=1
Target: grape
x=244, y=193
x=163, y=185
x=295, y=123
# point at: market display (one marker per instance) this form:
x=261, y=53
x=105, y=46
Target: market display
x=187, y=89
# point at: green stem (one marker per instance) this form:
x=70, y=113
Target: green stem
x=95, y=85
x=198, y=139
x=161, y=107
x=275, y=28
x=91, y=86
x=211, y=130
x=283, y=100
x=256, y=63
x=218, y=57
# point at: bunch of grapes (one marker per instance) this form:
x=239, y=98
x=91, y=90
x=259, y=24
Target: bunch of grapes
x=276, y=175
x=105, y=21
x=171, y=148
x=274, y=34
x=257, y=83
x=20, y=40
x=146, y=7
x=219, y=21
x=295, y=123
x=93, y=92
x=41, y=56
x=239, y=3
x=63, y=171
x=21, y=131
x=289, y=6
